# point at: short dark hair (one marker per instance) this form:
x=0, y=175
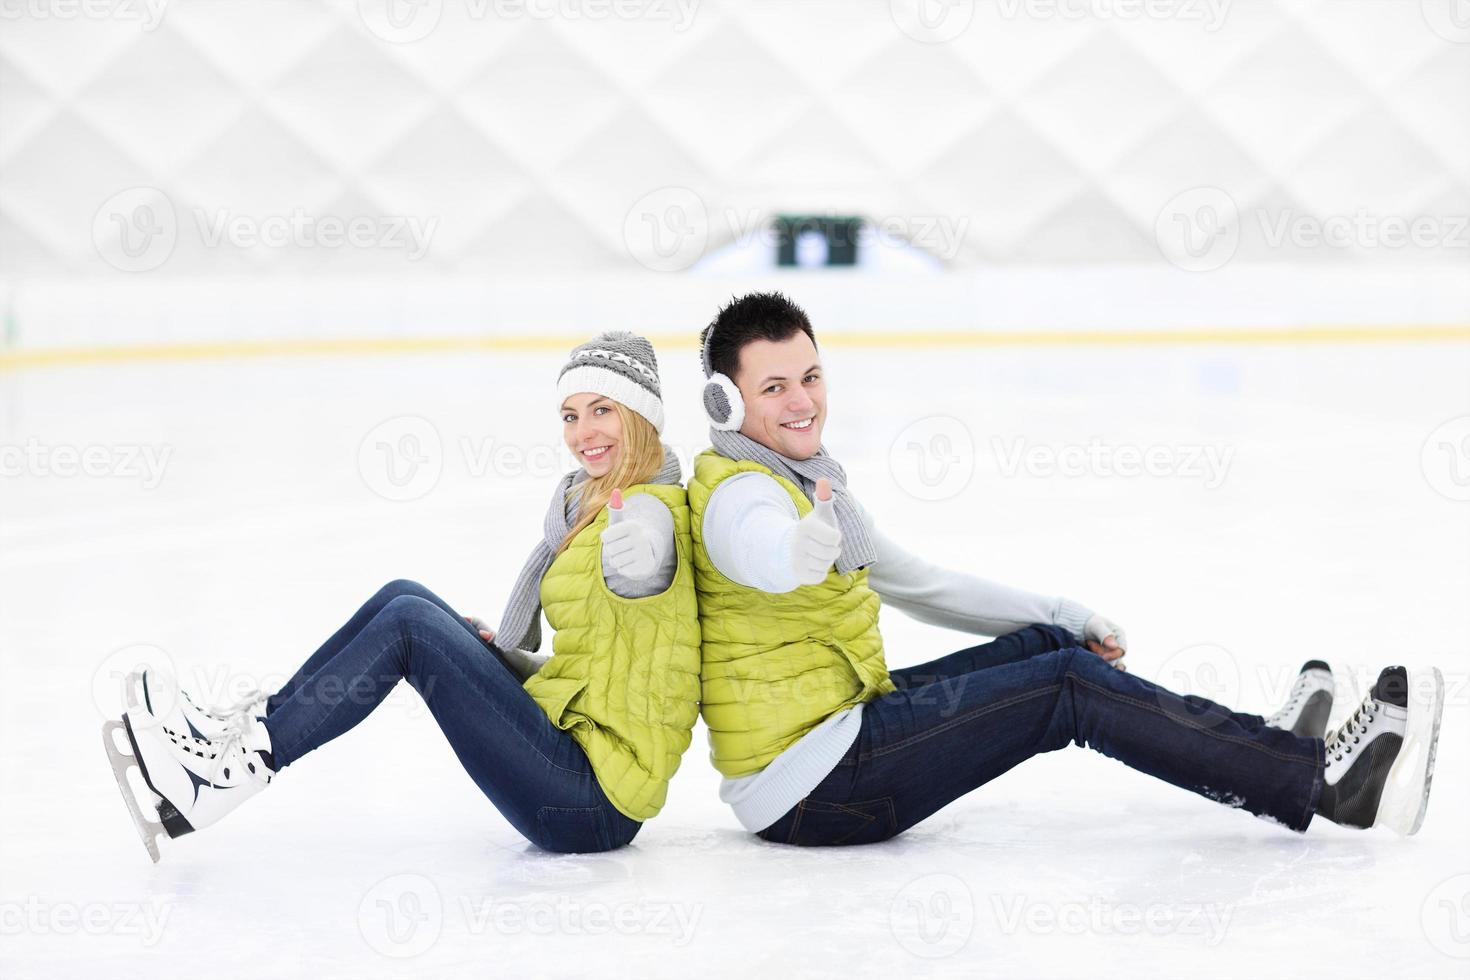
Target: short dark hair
x=754, y=316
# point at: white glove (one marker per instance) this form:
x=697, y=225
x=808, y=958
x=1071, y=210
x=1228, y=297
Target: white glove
x=522, y=663
x=817, y=540
x=1099, y=628
x=627, y=546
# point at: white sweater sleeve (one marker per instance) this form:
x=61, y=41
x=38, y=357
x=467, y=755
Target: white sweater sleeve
x=748, y=524
x=958, y=600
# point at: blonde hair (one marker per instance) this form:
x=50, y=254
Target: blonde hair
x=641, y=457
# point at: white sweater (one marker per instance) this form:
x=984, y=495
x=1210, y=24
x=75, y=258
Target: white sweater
x=747, y=530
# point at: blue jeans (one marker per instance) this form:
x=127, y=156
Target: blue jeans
x=537, y=775
x=956, y=723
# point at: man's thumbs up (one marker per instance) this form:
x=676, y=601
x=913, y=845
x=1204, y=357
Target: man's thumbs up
x=823, y=507
x=817, y=540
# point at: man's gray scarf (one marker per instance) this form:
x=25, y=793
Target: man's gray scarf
x=857, y=547
x=520, y=627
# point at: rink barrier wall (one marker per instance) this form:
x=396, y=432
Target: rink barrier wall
x=24, y=358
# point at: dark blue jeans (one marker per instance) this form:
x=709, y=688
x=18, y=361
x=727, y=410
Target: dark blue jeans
x=957, y=723
x=535, y=774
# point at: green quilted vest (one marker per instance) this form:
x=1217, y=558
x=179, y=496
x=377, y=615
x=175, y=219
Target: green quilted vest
x=775, y=666
x=624, y=678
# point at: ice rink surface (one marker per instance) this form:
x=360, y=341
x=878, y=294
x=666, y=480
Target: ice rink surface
x=1302, y=504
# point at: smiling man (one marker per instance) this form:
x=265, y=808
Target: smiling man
x=820, y=743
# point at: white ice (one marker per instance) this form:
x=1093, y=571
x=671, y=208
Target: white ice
x=1332, y=533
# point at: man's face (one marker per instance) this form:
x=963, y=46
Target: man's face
x=785, y=395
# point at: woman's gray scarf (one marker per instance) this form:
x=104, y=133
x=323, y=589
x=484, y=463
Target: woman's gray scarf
x=520, y=627
x=857, y=547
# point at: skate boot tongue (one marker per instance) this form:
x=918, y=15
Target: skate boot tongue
x=1392, y=687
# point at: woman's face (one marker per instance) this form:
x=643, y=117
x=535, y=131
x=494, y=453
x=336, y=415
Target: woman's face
x=593, y=431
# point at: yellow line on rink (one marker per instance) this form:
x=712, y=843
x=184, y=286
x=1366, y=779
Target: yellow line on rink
x=18, y=359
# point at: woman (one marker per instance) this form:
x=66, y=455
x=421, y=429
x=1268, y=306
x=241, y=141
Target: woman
x=575, y=750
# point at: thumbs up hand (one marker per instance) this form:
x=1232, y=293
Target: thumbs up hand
x=627, y=545
x=817, y=540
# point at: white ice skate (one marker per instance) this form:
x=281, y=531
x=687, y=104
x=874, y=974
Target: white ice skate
x=157, y=691
x=191, y=782
x=1309, y=705
x=1380, y=762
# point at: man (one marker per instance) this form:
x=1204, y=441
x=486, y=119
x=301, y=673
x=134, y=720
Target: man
x=820, y=743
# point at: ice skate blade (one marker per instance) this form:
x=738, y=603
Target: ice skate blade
x=149, y=830
x=1406, y=792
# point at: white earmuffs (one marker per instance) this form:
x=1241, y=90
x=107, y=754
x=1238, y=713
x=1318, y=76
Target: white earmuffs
x=723, y=405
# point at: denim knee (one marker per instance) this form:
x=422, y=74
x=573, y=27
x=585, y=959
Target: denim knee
x=402, y=586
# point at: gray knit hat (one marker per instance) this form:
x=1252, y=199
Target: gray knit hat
x=620, y=365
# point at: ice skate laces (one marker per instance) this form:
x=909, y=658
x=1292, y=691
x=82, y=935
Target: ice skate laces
x=1340, y=743
x=1298, y=691
x=230, y=739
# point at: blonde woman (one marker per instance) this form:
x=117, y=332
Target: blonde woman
x=576, y=749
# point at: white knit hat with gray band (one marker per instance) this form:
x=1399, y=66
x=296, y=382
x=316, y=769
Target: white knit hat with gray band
x=620, y=365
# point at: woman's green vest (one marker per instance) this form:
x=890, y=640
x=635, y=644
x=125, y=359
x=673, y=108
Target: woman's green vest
x=624, y=678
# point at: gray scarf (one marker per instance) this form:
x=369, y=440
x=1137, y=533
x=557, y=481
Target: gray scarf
x=857, y=547
x=520, y=627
